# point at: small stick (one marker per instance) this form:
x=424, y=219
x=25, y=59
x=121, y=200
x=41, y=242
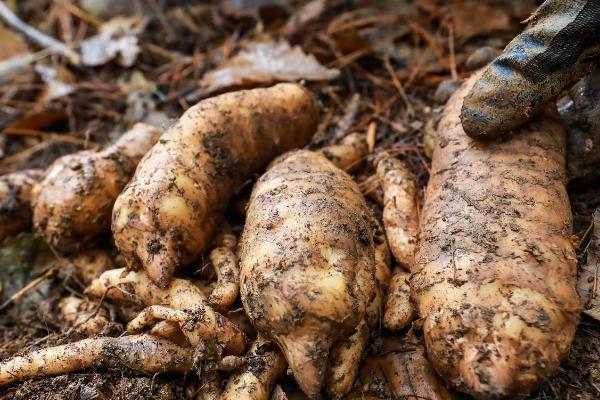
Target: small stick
x=46, y=275
x=451, y=50
x=36, y=36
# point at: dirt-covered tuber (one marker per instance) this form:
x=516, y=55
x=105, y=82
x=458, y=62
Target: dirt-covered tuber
x=182, y=302
x=306, y=261
x=85, y=317
x=255, y=381
x=400, y=211
x=72, y=205
x=495, y=271
x=143, y=353
x=168, y=214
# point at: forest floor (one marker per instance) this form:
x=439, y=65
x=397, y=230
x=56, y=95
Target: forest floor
x=375, y=66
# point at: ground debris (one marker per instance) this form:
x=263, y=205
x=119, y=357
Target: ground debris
x=266, y=61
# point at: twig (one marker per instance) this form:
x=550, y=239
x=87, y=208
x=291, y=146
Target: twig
x=15, y=63
x=36, y=36
x=26, y=153
x=46, y=275
x=451, y=50
x=45, y=135
x=398, y=84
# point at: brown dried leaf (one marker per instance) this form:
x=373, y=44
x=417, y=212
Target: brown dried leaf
x=117, y=40
x=490, y=19
x=266, y=61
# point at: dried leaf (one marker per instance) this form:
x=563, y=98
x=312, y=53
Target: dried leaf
x=57, y=82
x=304, y=15
x=117, y=40
x=139, y=93
x=266, y=62
x=490, y=19
x=40, y=120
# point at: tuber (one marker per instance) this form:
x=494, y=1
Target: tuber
x=73, y=203
x=343, y=361
x=225, y=263
x=143, y=353
x=348, y=154
x=182, y=303
x=399, y=310
x=256, y=380
x=399, y=374
x=89, y=264
x=400, y=211
x=306, y=261
x=168, y=214
x=15, y=199
x=495, y=272
x=85, y=317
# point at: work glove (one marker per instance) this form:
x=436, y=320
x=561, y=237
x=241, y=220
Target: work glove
x=560, y=44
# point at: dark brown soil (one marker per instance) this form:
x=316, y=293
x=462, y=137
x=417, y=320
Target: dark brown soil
x=392, y=53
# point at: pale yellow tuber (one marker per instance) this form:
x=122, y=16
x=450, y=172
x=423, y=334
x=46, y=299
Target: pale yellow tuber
x=306, y=261
x=256, y=380
x=225, y=262
x=85, y=317
x=143, y=353
x=399, y=309
x=400, y=211
x=495, y=270
x=72, y=205
x=182, y=302
x=168, y=214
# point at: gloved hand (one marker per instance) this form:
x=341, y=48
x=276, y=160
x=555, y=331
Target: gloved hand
x=560, y=44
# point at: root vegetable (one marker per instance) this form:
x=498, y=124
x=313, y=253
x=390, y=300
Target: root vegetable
x=348, y=154
x=182, y=302
x=405, y=374
x=90, y=264
x=167, y=215
x=255, y=381
x=170, y=331
x=495, y=271
x=343, y=362
x=15, y=199
x=143, y=353
x=399, y=309
x=135, y=287
x=72, y=205
x=382, y=275
x=86, y=317
x=346, y=354
x=225, y=263
x=400, y=211
x=307, y=261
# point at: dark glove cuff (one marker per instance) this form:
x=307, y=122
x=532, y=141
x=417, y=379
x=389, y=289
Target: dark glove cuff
x=561, y=40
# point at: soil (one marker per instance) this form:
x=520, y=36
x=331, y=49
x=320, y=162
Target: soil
x=392, y=54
